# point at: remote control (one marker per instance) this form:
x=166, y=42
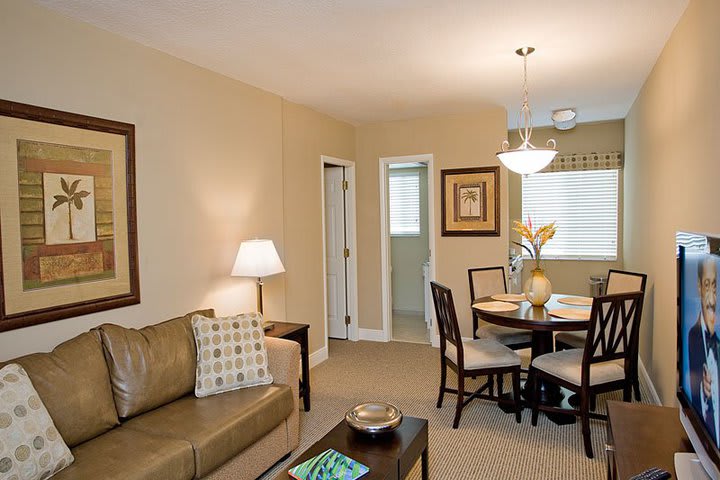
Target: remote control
x=652, y=474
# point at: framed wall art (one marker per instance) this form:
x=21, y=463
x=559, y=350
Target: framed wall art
x=68, y=235
x=470, y=201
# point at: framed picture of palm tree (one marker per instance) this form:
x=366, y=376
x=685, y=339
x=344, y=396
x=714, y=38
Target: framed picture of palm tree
x=470, y=200
x=68, y=238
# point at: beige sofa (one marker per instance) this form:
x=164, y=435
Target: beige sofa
x=123, y=401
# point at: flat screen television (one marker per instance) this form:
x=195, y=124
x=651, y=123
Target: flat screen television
x=698, y=333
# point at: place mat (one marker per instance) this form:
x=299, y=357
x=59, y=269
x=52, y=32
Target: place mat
x=578, y=301
x=571, y=313
x=509, y=297
x=496, y=306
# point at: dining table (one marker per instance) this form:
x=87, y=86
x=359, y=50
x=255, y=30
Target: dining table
x=543, y=326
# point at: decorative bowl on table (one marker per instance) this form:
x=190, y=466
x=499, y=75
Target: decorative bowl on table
x=374, y=417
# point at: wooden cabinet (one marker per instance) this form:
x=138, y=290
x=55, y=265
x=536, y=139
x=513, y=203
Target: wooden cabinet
x=642, y=436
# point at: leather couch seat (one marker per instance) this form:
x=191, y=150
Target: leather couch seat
x=219, y=426
x=125, y=454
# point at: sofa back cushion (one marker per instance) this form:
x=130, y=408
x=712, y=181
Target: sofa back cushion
x=73, y=383
x=151, y=366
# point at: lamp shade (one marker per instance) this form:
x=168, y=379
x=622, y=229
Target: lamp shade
x=257, y=258
x=527, y=160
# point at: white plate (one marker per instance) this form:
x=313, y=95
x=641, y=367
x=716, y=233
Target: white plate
x=577, y=301
x=571, y=313
x=496, y=306
x=509, y=297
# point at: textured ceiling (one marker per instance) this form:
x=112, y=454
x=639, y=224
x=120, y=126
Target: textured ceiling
x=374, y=60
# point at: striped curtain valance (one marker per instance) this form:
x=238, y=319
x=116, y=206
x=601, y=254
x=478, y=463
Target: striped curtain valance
x=585, y=161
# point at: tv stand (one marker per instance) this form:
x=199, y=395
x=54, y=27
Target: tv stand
x=688, y=467
x=641, y=436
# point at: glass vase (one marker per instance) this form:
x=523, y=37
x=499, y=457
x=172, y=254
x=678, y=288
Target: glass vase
x=538, y=288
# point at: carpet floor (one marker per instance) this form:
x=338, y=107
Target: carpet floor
x=489, y=443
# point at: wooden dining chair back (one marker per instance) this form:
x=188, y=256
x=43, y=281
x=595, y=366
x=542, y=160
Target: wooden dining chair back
x=613, y=331
x=604, y=365
x=447, y=319
x=484, y=282
x=620, y=281
x=482, y=357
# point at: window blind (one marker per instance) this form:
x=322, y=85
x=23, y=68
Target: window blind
x=404, y=191
x=584, y=206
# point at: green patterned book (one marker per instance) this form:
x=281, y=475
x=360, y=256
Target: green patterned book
x=329, y=465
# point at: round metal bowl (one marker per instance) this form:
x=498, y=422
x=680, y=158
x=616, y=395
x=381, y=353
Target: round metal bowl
x=374, y=417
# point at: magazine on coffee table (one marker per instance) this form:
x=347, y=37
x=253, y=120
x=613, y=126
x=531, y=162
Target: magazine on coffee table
x=329, y=465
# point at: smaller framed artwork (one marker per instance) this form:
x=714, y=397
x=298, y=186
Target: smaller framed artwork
x=470, y=201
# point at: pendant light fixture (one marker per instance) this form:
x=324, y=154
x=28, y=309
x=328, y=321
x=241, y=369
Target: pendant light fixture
x=526, y=158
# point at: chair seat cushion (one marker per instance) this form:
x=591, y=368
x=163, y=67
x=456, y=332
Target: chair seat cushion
x=504, y=335
x=125, y=454
x=567, y=365
x=574, y=339
x=483, y=353
x=219, y=426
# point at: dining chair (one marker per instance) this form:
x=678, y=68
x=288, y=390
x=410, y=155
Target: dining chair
x=604, y=365
x=470, y=358
x=618, y=282
x=486, y=281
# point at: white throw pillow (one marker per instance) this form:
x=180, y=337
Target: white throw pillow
x=230, y=353
x=30, y=446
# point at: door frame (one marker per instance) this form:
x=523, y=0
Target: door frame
x=351, y=238
x=385, y=260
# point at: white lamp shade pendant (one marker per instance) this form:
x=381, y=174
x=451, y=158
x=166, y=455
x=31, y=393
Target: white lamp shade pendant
x=526, y=158
x=257, y=258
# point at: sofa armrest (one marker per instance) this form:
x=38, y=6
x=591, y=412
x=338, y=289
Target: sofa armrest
x=284, y=363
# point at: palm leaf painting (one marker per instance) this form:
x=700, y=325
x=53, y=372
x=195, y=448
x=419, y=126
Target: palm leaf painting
x=470, y=196
x=72, y=197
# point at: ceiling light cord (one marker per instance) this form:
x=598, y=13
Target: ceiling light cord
x=524, y=121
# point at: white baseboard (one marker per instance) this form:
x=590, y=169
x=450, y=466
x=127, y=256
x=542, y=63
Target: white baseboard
x=644, y=374
x=318, y=356
x=372, y=335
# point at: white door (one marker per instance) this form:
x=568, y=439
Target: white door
x=335, y=249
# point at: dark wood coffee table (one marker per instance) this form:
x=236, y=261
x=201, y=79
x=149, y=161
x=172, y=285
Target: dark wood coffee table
x=390, y=456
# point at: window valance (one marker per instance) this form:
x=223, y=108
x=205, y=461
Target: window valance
x=585, y=161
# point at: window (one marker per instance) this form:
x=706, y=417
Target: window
x=584, y=205
x=404, y=190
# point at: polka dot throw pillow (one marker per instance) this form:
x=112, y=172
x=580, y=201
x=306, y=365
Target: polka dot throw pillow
x=231, y=353
x=30, y=446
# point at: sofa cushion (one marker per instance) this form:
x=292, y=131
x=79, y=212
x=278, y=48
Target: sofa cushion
x=230, y=353
x=31, y=447
x=219, y=426
x=151, y=366
x=125, y=454
x=74, y=385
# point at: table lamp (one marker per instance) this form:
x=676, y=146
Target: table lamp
x=257, y=258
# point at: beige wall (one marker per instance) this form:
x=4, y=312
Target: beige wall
x=407, y=256
x=671, y=175
x=306, y=136
x=571, y=276
x=455, y=141
x=209, y=164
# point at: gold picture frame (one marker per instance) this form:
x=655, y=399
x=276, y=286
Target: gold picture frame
x=68, y=229
x=470, y=199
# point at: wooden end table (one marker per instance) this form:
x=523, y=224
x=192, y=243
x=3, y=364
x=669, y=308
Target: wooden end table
x=297, y=332
x=390, y=456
